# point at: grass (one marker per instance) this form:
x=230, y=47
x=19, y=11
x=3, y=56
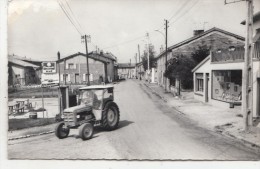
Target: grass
x=16, y=124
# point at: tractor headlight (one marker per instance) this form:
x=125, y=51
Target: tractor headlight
x=78, y=116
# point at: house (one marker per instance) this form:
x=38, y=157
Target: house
x=218, y=78
x=73, y=68
x=126, y=70
x=140, y=71
x=21, y=72
x=213, y=39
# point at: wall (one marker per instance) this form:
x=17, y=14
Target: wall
x=214, y=40
x=207, y=67
x=96, y=68
x=15, y=70
x=126, y=72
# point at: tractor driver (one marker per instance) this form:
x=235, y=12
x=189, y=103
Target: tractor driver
x=89, y=98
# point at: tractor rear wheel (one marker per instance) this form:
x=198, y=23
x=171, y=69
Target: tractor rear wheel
x=110, y=116
x=86, y=131
x=61, y=132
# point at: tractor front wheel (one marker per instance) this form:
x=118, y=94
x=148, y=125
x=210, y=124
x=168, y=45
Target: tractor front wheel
x=86, y=131
x=110, y=116
x=61, y=132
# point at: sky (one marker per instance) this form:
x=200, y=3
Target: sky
x=38, y=29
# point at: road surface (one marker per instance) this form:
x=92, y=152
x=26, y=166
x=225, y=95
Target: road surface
x=148, y=130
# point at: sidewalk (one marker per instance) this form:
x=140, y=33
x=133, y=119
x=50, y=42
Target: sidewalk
x=228, y=122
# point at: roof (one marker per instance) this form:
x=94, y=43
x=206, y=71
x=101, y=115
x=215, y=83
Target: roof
x=109, y=56
x=199, y=36
x=96, y=87
x=256, y=17
x=140, y=63
x=91, y=55
x=24, y=58
x=126, y=65
x=21, y=62
x=200, y=64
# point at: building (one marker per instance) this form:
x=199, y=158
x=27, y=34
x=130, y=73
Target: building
x=213, y=39
x=126, y=70
x=218, y=78
x=140, y=71
x=73, y=68
x=21, y=72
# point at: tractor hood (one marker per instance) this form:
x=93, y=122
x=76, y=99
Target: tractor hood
x=78, y=109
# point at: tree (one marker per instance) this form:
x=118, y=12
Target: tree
x=152, y=60
x=180, y=66
x=200, y=54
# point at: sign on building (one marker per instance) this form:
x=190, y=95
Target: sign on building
x=48, y=67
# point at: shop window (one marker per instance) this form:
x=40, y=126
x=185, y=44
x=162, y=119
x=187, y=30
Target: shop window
x=199, y=82
x=227, y=85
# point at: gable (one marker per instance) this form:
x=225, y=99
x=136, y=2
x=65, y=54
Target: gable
x=207, y=38
x=213, y=41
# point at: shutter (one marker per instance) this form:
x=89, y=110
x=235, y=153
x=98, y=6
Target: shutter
x=61, y=77
x=68, y=77
x=67, y=66
x=84, y=77
x=75, y=66
x=91, y=77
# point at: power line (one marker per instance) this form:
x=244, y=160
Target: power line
x=67, y=15
x=73, y=14
x=122, y=43
x=180, y=9
x=185, y=12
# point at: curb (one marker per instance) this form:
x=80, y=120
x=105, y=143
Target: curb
x=156, y=93
x=247, y=143
x=30, y=135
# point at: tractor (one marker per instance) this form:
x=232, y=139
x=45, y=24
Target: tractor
x=96, y=107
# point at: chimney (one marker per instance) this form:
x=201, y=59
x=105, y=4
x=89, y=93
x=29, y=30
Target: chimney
x=197, y=32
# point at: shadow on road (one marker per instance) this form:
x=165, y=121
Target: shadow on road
x=97, y=130
x=121, y=124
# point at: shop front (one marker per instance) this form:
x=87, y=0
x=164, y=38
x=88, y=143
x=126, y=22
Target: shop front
x=218, y=79
x=227, y=85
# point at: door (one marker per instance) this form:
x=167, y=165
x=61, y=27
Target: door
x=77, y=78
x=207, y=88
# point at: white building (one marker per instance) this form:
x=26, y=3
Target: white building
x=218, y=78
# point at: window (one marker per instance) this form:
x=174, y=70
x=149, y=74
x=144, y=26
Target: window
x=200, y=85
x=71, y=66
x=227, y=85
x=199, y=82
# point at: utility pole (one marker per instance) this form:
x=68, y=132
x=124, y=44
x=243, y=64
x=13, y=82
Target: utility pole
x=59, y=94
x=136, y=65
x=247, y=86
x=139, y=52
x=147, y=36
x=247, y=80
x=86, y=43
x=166, y=49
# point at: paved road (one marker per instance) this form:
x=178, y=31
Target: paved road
x=148, y=130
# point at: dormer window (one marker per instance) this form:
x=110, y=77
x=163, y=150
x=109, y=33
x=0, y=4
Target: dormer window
x=231, y=48
x=218, y=51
